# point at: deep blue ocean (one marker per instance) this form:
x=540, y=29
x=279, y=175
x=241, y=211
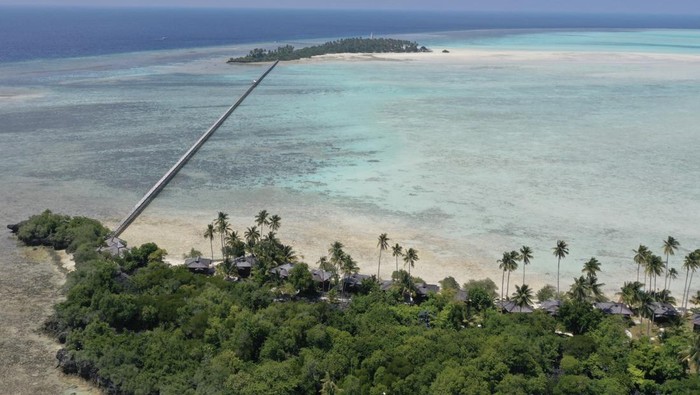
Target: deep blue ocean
x=35, y=33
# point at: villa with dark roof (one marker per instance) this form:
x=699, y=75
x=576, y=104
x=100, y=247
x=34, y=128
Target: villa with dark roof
x=322, y=279
x=282, y=271
x=664, y=311
x=200, y=265
x=114, y=246
x=508, y=306
x=551, y=306
x=245, y=264
x=614, y=309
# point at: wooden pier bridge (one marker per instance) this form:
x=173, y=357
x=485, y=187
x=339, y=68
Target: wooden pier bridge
x=170, y=174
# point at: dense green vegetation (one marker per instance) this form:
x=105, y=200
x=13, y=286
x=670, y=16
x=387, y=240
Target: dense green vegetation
x=347, y=45
x=61, y=232
x=134, y=324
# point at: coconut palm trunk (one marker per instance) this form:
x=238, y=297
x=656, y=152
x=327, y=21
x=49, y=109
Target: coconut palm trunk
x=503, y=278
x=560, y=251
x=687, y=293
x=666, y=276
x=508, y=284
x=685, y=287
x=670, y=246
x=383, y=244
x=558, y=265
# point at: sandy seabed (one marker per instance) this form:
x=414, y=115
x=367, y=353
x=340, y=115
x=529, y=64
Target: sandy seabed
x=30, y=287
x=311, y=224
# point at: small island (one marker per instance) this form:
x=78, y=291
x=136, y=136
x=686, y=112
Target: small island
x=346, y=45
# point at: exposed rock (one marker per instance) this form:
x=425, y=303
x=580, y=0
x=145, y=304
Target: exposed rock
x=14, y=227
x=86, y=370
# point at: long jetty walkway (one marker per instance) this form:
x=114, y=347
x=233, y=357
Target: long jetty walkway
x=163, y=182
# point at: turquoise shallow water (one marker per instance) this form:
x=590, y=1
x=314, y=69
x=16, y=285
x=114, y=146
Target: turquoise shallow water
x=463, y=158
x=614, y=40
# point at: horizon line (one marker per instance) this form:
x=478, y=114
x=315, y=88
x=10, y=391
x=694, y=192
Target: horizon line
x=344, y=9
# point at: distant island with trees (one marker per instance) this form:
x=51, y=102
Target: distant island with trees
x=346, y=45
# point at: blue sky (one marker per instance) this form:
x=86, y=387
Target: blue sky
x=611, y=6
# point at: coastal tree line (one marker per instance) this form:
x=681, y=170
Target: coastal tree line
x=133, y=324
x=346, y=45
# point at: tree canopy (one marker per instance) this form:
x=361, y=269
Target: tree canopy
x=135, y=325
x=346, y=45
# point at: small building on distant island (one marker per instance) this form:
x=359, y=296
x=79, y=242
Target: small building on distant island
x=614, y=309
x=424, y=290
x=664, y=311
x=322, y=278
x=551, y=307
x=199, y=265
x=113, y=246
x=245, y=264
x=282, y=271
x=353, y=282
x=508, y=306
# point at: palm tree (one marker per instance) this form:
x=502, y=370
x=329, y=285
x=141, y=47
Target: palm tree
x=655, y=266
x=522, y=296
x=209, y=234
x=383, y=244
x=223, y=228
x=507, y=264
x=591, y=267
x=232, y=239
x=261, y=220
x=271, y=237
x=327, y=266
x=580, y=289
x=252, y=235
x=348, y=266
x=664, y=296
x=687, y=265
x=672, y=275
x=275, y=222
x=405, y=283
x=594, y=289
x=695, y=299
x=511, y=265
x=502, y=264
x=693, y=265
x=288, y=254
x=410, y=258
x=397, y=251
x=646, y=303
x=629, y=293
x=670, y=247
x=640, y=258
x=336, y=254
x=525, y=256
x=560, y=251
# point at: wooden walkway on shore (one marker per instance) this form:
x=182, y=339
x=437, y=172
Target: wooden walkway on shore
x=163, y=182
